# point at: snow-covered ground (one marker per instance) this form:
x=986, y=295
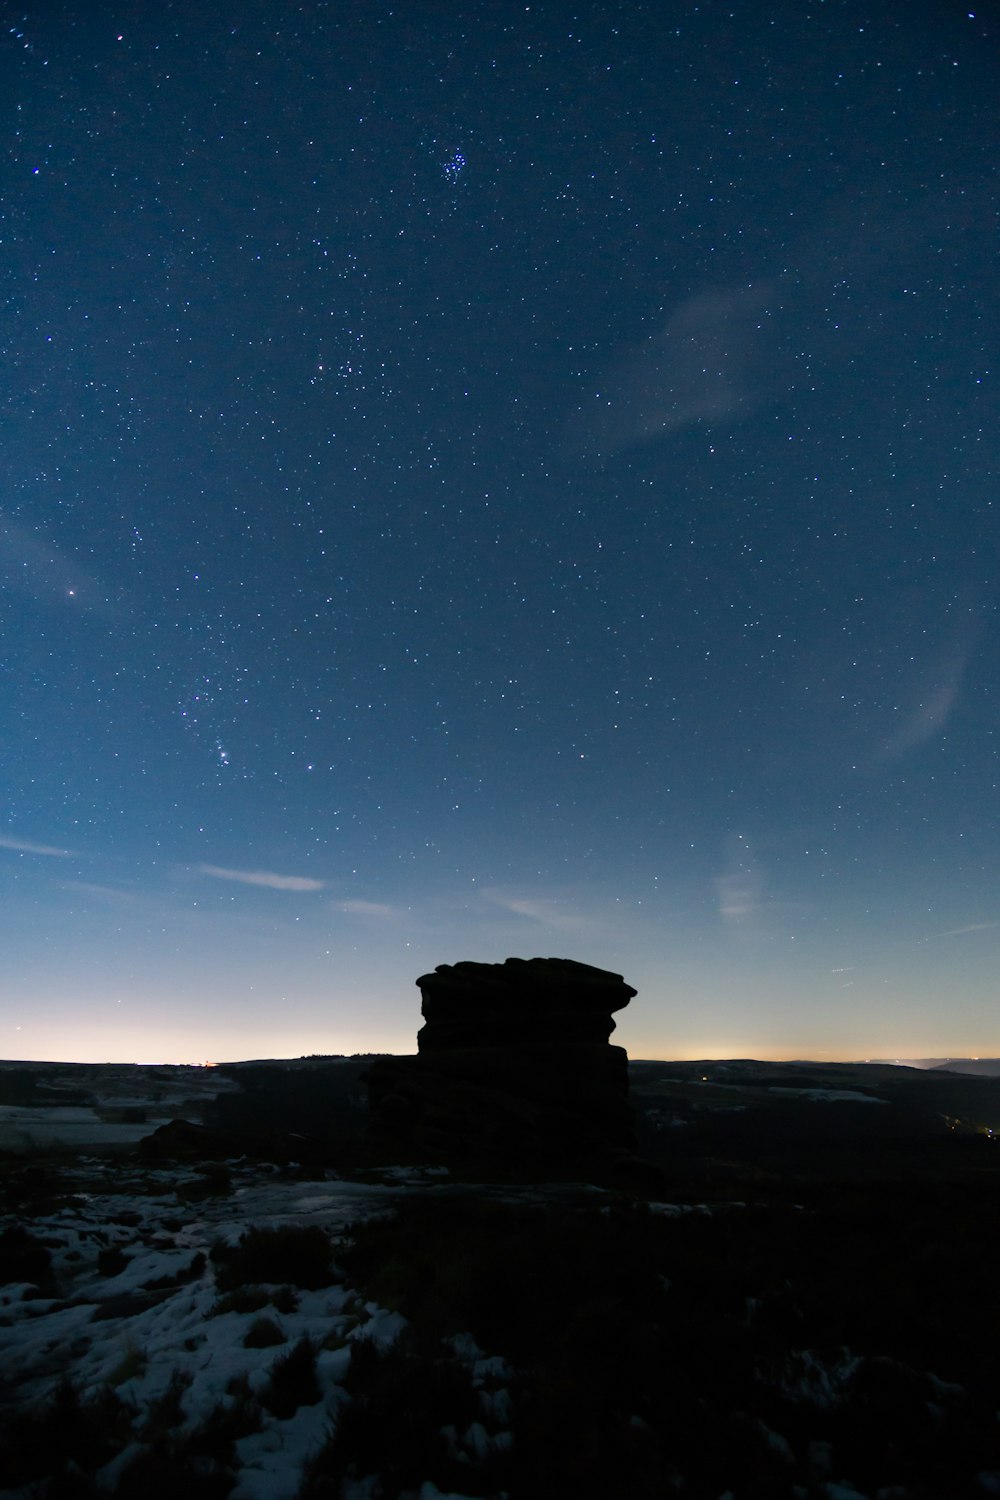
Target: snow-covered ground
x=24, y=1129
x=826, y=1096
x=122, y=1290
x=149, y=1319
x=130, y=1304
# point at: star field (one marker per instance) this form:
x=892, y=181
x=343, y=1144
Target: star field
x=498, y=479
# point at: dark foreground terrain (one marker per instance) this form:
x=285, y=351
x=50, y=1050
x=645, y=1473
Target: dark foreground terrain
x=805, y=1305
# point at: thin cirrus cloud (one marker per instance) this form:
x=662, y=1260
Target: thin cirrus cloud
x=29, y=846
x=540, y=909
x=740, y=888
x=48, y=574
x=357, y=908
x=740, y=895
x=112, y=893
x=266, y=878
x=931, y=696
x=708, y=364
x=926, y=720
x=970, y=927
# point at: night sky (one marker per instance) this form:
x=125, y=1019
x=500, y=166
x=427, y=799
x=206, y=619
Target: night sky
x=487, y=479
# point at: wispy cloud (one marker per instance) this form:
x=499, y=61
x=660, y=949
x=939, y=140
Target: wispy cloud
x=356, y=908
x=266, y=878
x=28, y=846
x=935, y=681
x=544, y=910
x=111, y=895
x=927, y=718
x=48, y=574
x=740, y=888
x=747, y=900
x=739, y=893
x=960, y=931
x=707, y=364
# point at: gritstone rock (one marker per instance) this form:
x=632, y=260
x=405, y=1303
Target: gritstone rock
x=513, y=1065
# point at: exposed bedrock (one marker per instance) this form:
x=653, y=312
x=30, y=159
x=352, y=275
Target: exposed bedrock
x=514, y=1063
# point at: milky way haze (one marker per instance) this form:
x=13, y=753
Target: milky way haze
x=485, y=480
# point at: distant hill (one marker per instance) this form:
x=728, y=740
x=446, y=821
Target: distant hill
x=979, y=1067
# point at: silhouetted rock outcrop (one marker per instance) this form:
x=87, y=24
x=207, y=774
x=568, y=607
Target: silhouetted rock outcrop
x=514, y=1065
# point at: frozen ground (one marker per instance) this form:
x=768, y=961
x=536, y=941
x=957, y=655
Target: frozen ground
x=78, y=1127
x=810, y=1341
x=130, y=1304
x=95, y=1107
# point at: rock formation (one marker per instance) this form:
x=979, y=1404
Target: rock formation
x=514, y=1065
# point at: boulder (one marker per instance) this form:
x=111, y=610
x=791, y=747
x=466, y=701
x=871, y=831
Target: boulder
x=183, y=1140
x=522, y=1001
x=513, y=1066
